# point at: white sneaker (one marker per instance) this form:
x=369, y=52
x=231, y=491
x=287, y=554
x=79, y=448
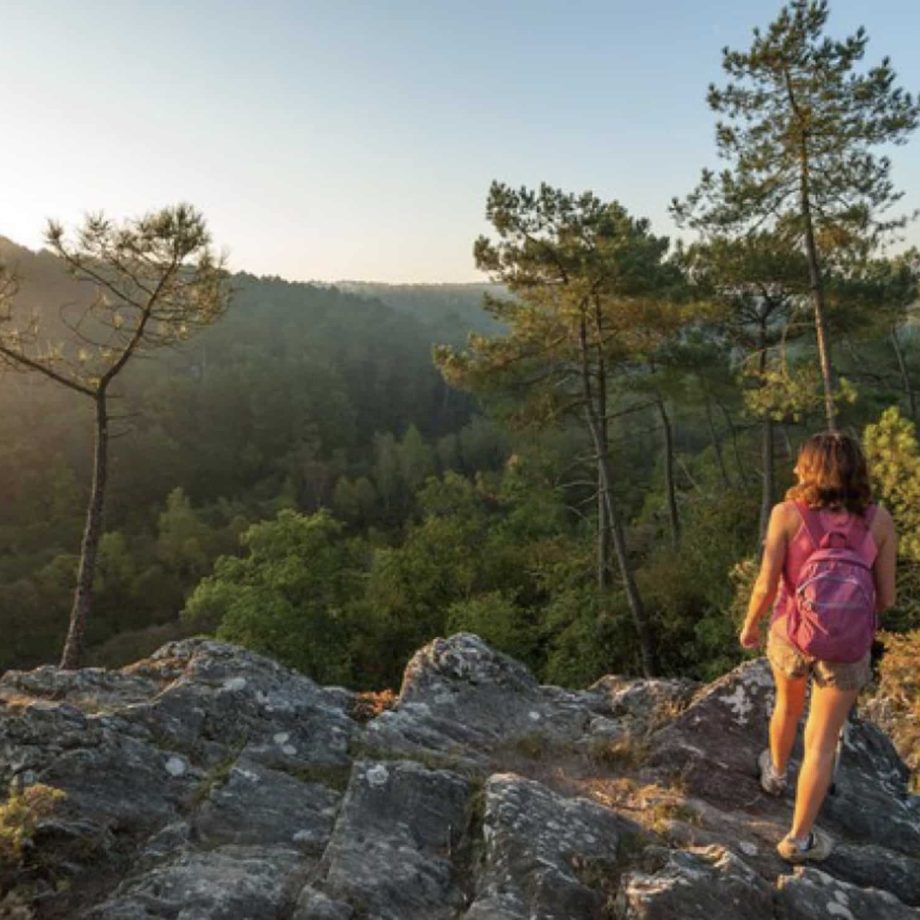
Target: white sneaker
x=818, y=847
x=770, y=781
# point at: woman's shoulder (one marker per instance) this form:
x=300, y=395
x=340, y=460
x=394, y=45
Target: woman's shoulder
x=786, y=515
x=882, y=518
x=786, y=509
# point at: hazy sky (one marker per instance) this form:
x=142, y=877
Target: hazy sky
x=357, y=140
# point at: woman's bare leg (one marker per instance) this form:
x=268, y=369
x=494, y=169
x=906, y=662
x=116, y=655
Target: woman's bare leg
x=790, y=702
x=828, y=712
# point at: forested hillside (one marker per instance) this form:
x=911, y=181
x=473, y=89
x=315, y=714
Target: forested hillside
x=440, y=306
x=356, y=505
x=301, y=397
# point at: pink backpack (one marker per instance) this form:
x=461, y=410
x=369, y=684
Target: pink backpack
x=832, y=617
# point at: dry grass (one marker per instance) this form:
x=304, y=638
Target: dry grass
x=370, y=703
x=625, y=753
x=15, y=701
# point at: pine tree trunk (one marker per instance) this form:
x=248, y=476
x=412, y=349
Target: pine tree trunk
x=603, y=536
x=906, y=382
x=787, y=443
x=814, y=267
x=673, y=515
x=817, y=294
x=603, y=530
x=742, y=477
x=92, y=533
x=633, y=599
x=768, y=475
x=817, y=298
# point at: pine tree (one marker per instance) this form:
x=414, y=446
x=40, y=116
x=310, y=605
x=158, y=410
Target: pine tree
x=152, y=281
x=587, y=281
x=800, y=128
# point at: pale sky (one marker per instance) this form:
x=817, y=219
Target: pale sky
x=330, y=139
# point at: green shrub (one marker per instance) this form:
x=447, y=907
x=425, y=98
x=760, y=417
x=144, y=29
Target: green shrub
x=19, y=816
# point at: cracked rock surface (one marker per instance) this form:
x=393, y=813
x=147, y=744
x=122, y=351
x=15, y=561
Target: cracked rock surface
x=209, y=782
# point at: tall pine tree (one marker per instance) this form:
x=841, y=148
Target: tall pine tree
x=799, y=127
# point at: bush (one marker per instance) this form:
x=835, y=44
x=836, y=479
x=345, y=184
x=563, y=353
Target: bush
x=19, y=816
x=894, y=462
x=289, y=597
x=587, y=636
x=897, y=702
x=692, y=593
x=497, y=620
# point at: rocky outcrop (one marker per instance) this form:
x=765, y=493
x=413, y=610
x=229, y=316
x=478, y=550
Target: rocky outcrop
x=210, y=782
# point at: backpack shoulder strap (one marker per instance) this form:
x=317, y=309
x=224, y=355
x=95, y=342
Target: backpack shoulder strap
x=867, y=523
x=812, y=523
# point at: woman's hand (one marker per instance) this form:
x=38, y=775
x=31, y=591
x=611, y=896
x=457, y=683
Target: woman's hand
x=750, y=635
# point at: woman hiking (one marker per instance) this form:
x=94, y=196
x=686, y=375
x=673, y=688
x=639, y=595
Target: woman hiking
x=828, y=569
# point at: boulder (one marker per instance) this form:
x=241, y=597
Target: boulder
x=462, y=699
x=224, y=884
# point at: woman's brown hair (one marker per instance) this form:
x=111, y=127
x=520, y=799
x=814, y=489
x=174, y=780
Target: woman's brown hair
x=832, y=473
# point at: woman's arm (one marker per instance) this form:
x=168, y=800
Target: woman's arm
x=883, y=570
x=771, y=567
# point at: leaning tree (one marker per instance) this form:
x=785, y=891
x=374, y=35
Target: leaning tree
x=801, y=129
x=149, y=283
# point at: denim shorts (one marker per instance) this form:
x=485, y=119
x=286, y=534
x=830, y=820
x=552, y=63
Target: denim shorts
x=844, y=675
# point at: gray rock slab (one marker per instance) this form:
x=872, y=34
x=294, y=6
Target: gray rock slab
x=391, y=851
x=91, y=689
x=535, y=842
x=127, y=784
x=810, y=894
x=645, y=702
x=461, y=698
x=314, y=905
x=872, y=803
x=874, y=866
x=693, y=884
x=227, y=697
x=711, y=748
x=229, y=883
x=259, y=806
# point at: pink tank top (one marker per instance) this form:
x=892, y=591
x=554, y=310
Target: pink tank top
x=800, y=548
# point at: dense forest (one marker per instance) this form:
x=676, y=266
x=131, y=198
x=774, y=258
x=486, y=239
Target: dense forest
x=302, y=397
x=299, y=477
x=575, y=460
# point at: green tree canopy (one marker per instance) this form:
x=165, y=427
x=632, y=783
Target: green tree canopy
x=287, y=596
x=801, y=127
